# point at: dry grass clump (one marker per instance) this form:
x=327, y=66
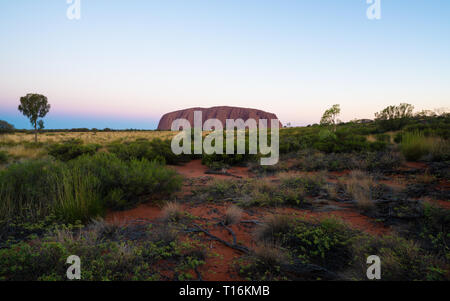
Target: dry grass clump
x=359, y=186
x=172, y=211
x=332, y=191
x=272, y=225
x=233, y=215
x=416, y=146
x=270, y=255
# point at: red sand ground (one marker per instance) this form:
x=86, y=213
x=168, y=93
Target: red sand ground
x=195, y=169
x=221, y=267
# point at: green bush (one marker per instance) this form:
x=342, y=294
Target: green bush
x=327, y=244
x=82, y=188
x=36, y=189
x=3, y=157
x=123, y=184
x=434, y=230
x=156, y=149
x=103, y=259
x=416, y=146
x=71, y=149
x=332, y=244
x=401, y=259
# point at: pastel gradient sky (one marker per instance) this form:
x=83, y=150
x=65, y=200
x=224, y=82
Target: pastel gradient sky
x=125, y=63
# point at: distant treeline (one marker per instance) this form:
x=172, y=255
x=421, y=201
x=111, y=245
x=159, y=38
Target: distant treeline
x=81, y=130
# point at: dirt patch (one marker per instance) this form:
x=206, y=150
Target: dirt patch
x=195, y=169
x=415, y=165
x=144, y=212
x=353, y=218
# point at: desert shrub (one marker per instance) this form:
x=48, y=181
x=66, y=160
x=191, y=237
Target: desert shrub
x=264, y=263
x=125, y=183
x=273, y=228
x=346, y=141
x=172, y=211
x=431, y=126
x=387, y=160
x=71, y=149
x=415, y=146
x=154, y=150
x=36, y=189
x=312, y=160
x=433, y=230
x=291, y=190
x=360, y=187
x=233, y=215
x=311, y=185
x=77, y=196
x=327, y=244
x=102, y=259
x=256, y=192
x=224, y=160
x=220, y=189
x=82, y=188
x=332, y=244
x=3, y=157
x=401, y=259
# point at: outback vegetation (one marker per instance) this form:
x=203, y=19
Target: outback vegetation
x=132, y=210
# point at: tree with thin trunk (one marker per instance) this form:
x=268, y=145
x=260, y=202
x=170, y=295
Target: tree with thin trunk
x=34, y=106
x=330, y=116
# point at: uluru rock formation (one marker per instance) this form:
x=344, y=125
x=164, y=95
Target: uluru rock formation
x=222, y=113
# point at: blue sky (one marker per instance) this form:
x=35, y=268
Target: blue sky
x=125, y=63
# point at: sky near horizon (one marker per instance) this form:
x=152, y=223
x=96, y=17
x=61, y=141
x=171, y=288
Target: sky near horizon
x=126, y=63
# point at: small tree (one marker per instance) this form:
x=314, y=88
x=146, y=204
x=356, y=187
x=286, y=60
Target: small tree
x=330, y=116
x=5, y=127
x=34, y=106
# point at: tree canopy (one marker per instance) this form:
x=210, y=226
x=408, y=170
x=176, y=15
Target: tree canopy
x=34, y=106
x=330, y=116
x=394, y=117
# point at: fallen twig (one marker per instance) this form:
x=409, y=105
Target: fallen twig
x=230, y=231
x=237, y=247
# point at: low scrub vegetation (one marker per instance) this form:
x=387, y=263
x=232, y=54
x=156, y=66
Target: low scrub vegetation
x=172, y=212
x=82, y=188
x=416, y=146
x=71, y=149
x=330, y=249
x=107, y=252
x=290, y=190
x=156, y=149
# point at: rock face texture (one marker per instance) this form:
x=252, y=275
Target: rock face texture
x=221, y=113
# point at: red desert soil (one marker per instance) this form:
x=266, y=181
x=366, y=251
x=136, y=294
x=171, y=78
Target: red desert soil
x=195, y=169
x=207, y=215
x=415, y=165
x=142, y=212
